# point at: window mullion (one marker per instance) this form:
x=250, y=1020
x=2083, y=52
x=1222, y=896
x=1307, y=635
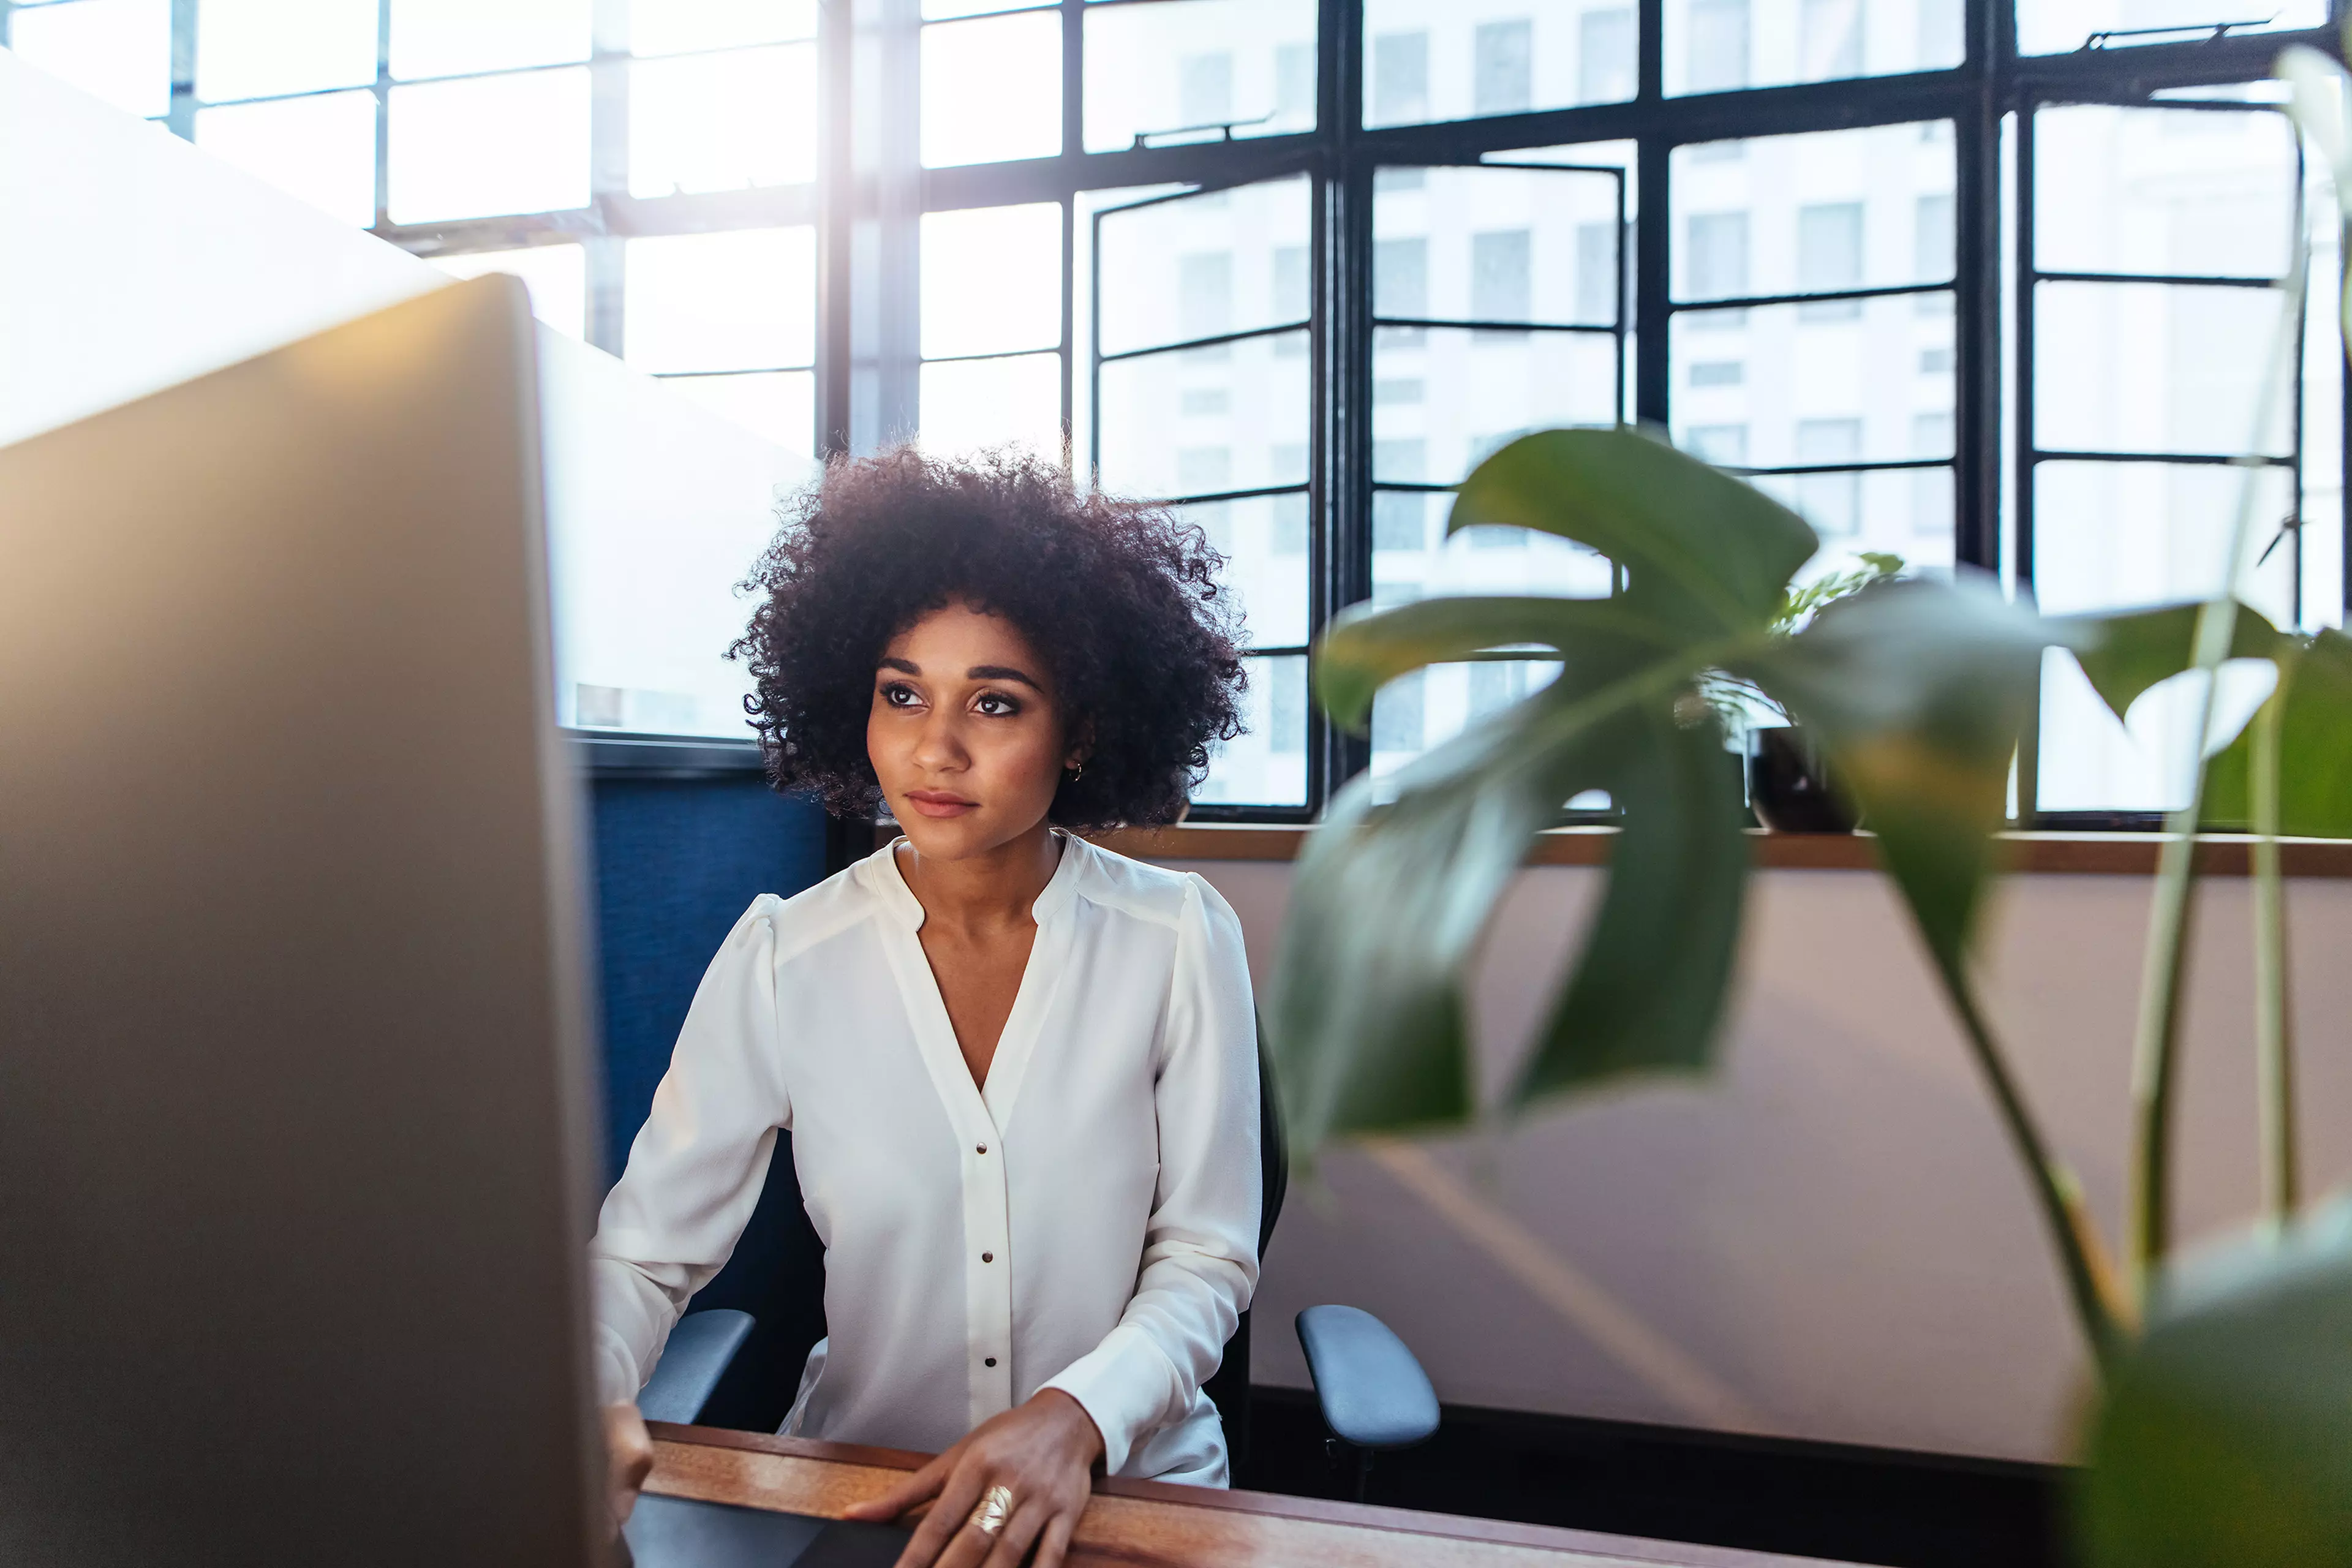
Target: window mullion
x=1652, y=262
x=1343, y=372
x=1976, y=262
x=1074, y=134
x=181, y=119
x=383, y=115
x=886, y=207
x=835, y=279
x=605, y=251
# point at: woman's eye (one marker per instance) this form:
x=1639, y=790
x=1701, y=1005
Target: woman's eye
x=997, y=706
x=899, y=696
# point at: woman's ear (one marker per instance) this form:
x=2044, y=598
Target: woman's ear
x=1081, y=746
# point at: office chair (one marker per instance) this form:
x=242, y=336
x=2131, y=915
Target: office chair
x=1372, y=1393
x=699, y=1351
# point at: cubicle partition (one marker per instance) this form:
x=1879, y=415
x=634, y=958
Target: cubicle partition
x=685, y=838
x=135, y=261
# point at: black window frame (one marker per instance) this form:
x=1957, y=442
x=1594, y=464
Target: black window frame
x=2028, y=452
x=1993, y=83
x=870, y=193
x=1314, y=485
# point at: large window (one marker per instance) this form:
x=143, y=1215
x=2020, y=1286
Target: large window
x=1204, y=396
x=1813, y=329
x=1498, y=306
x=1989, y=284
x=993, y=371
x=2149, y=247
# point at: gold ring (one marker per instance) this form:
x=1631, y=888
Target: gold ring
x=996, y=1507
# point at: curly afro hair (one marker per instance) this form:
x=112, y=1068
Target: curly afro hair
x=1120, y=598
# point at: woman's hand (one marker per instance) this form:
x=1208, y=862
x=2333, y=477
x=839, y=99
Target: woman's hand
x=630, y=1457
x=1044, y=1452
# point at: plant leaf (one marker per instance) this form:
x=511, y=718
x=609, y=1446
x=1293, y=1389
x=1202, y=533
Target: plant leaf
x=1366, y=648
x=1703, y=552
x=1918, y=691
x=2314, y=746
x=1389, y=900
x=1800, y=602
x=2127, y=653
x=2225, y=1434
x=2316, y=102
x=1648, y=990
x=1388, y=904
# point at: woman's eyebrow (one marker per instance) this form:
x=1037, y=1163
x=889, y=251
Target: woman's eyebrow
x=1001, y=672
x=908, y=666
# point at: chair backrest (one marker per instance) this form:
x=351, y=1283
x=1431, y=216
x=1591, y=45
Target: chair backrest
x=1228, y=1386
x=1273, y=1150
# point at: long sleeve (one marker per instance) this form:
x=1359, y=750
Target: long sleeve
x=1200, y=1259
x=697, y=1166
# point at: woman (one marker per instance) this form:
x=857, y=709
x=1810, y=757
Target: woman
x=1019, y=1072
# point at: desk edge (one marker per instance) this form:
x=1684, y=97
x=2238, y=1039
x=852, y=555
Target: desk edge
x=1316, y=1511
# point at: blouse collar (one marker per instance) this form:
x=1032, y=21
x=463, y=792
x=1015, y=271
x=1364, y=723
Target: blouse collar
x=889, y=882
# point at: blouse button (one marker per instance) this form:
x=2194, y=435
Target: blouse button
x=979, y=1149
x=988, y=1257
x=989, y=1361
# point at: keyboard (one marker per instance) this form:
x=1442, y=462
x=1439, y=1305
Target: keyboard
x=676, y=1533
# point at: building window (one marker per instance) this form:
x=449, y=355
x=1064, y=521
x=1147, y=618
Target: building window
x=1397, y=724
x=1605, y=56
x=1831, y=502
x=1596, y=271
x=1501, y=278
x=1400, y=78
x=1830, y=39
x=1716, y=264
x=1400, y=277
x=1208, y=90
x=1718, y=46
x=1504, y=67
x=1724, y=446
x=1932, y=234
x=1829, y=257
x=1205, y=292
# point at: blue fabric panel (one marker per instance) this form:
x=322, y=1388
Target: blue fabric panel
x=677, y=861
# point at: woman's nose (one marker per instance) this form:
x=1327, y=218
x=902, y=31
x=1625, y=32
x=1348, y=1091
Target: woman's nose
x=940, y=745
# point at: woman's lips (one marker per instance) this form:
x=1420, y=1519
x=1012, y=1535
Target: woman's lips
x=934, y=803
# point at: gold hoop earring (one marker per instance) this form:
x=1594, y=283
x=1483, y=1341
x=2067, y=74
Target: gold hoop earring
x=1078, y=771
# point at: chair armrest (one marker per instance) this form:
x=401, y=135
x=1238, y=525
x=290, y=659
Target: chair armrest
x=1373, y=1392
x=691, y=1364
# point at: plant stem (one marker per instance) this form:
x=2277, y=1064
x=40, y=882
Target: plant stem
x=2148, y=1219
x=2091, y=1281
x=2155, y=1048
x=2273, y=1029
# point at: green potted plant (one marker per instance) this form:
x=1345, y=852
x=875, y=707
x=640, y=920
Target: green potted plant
x=1789, y=786
x=2222, y=1429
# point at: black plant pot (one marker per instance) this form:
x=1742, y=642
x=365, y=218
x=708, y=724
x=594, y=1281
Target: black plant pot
x=1789, y=784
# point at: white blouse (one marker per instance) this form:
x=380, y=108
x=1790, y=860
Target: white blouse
x=1087, y=1222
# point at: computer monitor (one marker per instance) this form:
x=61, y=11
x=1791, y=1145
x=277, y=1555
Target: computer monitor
x=294, y=1127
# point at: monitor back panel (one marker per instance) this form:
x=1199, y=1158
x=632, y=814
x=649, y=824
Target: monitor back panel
x=292, y=1173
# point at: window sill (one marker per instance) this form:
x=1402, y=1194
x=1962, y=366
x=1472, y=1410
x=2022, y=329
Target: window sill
x=2046, y=854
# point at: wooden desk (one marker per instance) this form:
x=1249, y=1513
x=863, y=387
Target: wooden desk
x=1156, y=1525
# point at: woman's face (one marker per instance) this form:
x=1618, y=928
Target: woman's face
x=965, y=736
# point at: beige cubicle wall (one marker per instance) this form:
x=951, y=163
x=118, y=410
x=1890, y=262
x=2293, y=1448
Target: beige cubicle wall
x=1828, y=1239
